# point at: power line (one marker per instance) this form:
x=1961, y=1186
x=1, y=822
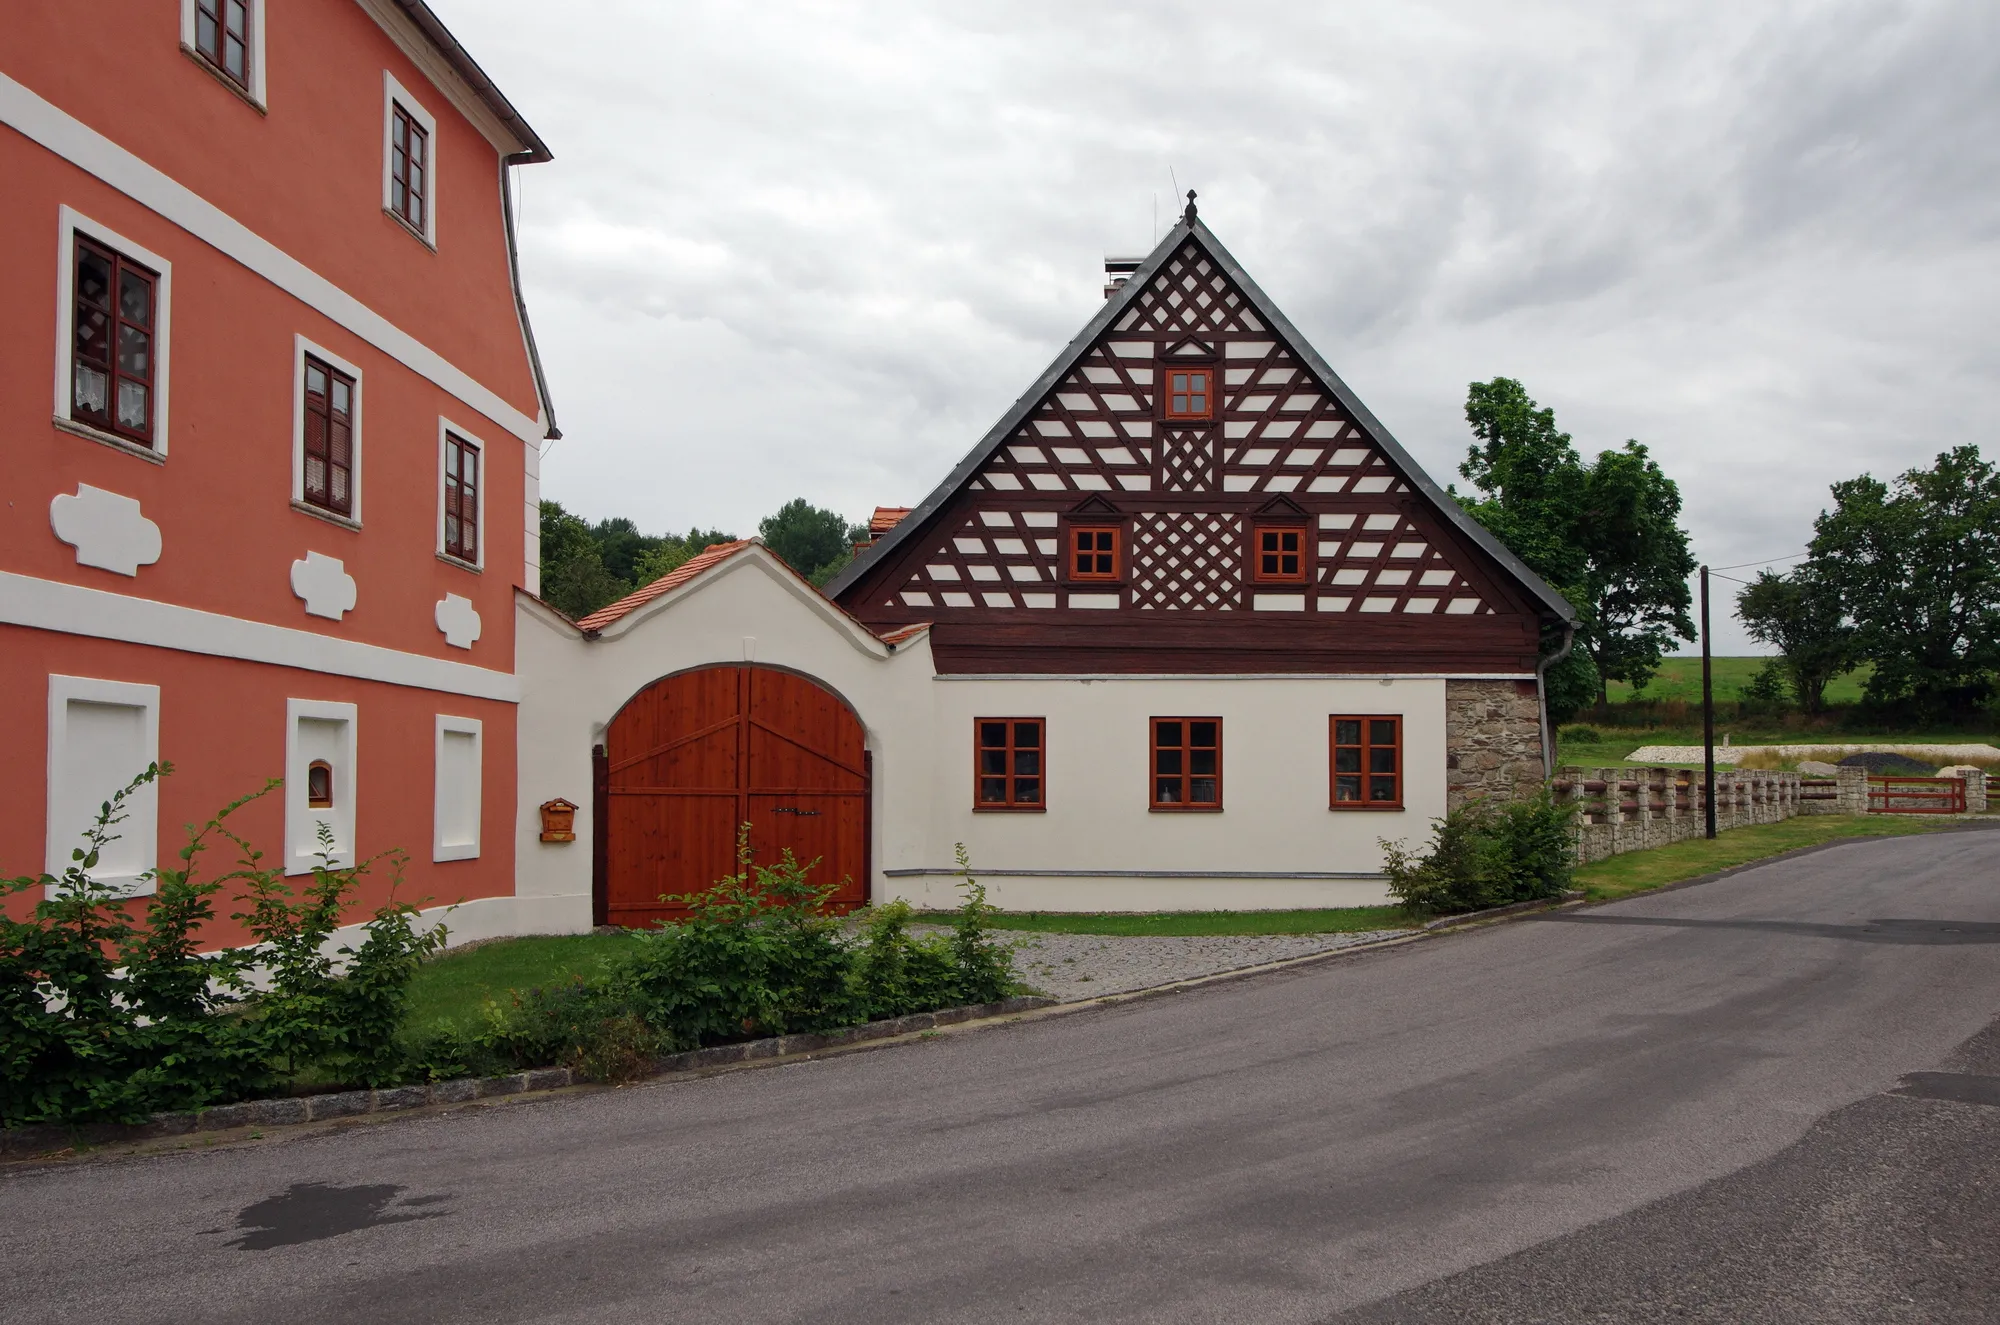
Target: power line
x=1765, y=562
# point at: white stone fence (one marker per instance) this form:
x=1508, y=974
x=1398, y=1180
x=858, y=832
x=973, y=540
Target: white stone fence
x=1633, y=809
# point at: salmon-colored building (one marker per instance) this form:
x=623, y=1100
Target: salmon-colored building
x=270, y=413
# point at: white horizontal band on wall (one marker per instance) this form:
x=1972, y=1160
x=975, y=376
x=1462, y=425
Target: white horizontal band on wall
x=45, y=123
x=1234, y=676
x=949, y=871
x=73, y=609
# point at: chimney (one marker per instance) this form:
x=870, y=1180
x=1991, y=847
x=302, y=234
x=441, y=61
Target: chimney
x=1117, y=271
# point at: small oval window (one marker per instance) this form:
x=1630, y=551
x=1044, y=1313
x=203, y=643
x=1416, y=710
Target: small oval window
x=319, y=785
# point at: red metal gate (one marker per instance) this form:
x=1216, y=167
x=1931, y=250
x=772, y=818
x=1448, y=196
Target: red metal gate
x=1916, y=795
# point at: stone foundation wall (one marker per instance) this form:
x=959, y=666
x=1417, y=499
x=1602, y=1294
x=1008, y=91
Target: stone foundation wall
x=1493, y=741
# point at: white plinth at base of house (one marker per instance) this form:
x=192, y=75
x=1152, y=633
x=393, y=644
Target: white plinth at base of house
x=1103, y=890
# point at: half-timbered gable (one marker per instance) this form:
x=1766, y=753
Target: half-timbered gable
x=1190, y=488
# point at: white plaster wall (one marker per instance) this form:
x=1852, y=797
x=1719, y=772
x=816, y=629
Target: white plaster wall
x=1099, y=847
x=749, y=609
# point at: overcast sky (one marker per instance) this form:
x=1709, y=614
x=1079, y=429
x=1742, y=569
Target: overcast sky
x=815, y=250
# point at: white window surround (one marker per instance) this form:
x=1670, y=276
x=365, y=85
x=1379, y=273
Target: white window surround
x=69, y=138
x=479, y=492
x=256, y=89
x=301, y=347
x=303, y=744
x=458, y=798
x=394, y=94
x=69, y=222
x=75, y=791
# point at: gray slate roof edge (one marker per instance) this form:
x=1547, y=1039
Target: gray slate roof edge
x=1113, y=309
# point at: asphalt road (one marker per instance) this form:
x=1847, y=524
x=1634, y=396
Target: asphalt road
x=1673, y=1108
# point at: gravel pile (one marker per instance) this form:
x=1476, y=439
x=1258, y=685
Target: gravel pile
x=1070, y=967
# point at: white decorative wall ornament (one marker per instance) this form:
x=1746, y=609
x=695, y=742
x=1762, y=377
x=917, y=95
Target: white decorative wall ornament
x=458, y=619
x=325, y=585
x=106, y=529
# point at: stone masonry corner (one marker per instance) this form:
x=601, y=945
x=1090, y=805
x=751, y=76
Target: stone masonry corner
x=1493, y=741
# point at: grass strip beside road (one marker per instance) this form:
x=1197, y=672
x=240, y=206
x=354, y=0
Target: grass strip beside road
x=1641, y=871
x=454, y=986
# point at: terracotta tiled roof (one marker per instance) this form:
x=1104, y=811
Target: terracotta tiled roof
x=713, y=554
x=885, y=519
x=901, y=633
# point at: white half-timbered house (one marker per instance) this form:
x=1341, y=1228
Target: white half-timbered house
x=1186, y=629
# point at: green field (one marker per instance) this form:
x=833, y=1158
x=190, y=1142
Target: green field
x=1680, y=678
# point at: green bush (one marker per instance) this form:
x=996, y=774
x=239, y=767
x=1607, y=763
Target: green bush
x=756, y=956
x=103, y=1019
x=1581, y=735
x=1484, y=855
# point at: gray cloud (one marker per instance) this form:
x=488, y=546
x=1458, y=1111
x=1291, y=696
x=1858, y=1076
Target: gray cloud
x=816, y=248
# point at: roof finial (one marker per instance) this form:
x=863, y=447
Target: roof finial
x=1188, y=215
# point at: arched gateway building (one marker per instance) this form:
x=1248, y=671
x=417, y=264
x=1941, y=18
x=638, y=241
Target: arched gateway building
x=1186, y=629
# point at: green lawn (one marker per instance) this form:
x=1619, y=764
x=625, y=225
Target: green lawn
x=454, y=986
x=1340, y=920
x=1680, y=678
x=1637, y=871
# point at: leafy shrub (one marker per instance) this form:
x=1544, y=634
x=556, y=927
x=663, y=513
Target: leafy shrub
x=1483, y=856
x=1581, y=735
x=756, y=956
x=1770, y=690
x=103, y=1019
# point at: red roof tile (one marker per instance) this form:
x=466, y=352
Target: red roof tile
x=886, y=518
x=713, y=554
x=901, y=633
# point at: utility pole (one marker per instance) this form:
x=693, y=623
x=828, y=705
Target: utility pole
x=1707, y=716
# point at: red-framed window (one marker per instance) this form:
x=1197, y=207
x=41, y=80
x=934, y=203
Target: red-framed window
x=1187, y=764
x=329, y=438
x=222, y=35
x=113, y=358
x=1095, y=552
x=1189, y=392
x=1367, y=759
x=461, y=498
x=1278, y=554
x=1010, y=764
x=409, y=166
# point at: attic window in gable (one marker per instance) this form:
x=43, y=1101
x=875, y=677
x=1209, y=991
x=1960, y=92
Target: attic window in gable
x=1189, y=392
x=1093, y=552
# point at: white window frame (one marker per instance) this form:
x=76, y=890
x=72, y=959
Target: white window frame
x=478, y=444
x=301, y=347
x=70, y=221
x=301, y=820
x=256, y=89
x=473, y=727
x=142, y=817
x=393, y=95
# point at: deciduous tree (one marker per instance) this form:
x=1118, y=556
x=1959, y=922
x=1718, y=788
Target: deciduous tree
x=1800, y=614
x=1606, y=536
x=1916, y=563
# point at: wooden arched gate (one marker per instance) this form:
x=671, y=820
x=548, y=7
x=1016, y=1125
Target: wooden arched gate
x=694, y=755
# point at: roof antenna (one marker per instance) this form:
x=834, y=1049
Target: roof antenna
x=1188, y=215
